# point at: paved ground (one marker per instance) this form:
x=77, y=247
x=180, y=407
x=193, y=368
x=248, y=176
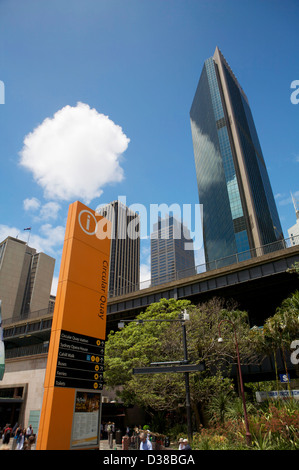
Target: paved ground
x=104, y=445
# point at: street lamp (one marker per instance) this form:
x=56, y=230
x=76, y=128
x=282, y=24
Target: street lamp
x=184, y=316
x=220, y=340
x=188, y=404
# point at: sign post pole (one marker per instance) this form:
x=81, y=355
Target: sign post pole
x=74, y=373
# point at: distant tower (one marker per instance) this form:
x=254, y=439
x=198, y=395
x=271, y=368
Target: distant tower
x=296, y=205
x=25, y=279
x=294, y=230
x=239, y=211
x=169, y=257
x=125, y=248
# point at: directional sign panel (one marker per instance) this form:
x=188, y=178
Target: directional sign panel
x=80, y=361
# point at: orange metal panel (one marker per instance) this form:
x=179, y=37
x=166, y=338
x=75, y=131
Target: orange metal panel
x=56, y=420
x=80, y=307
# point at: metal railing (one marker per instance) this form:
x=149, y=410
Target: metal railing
x=30, y=316
x=31, y=350
x=235, y=258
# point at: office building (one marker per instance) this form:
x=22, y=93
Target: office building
x=172, y=255
x=27, y=309
x=25, y=279
x=125, y=248
x=239, y=211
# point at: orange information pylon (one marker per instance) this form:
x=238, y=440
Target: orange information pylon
x=76, y=350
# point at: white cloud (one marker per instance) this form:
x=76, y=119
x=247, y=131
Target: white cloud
x=145, y=276
x=145, y=266
x=49, y=241
x=6, y=231
x=284, y=200
x=31, y=204
x=54, y=285
x=47, y=211
x=74, y=154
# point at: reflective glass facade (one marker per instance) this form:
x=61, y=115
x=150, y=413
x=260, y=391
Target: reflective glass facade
x=169, y=257
x=229, y=217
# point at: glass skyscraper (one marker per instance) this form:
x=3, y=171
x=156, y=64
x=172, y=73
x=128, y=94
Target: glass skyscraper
x=172, y=255
x=239, y=211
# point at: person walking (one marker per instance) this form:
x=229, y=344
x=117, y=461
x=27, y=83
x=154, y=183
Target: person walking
x=181, y=445
x=186, y=445
x=15, y=430
x=21, y=432
x=29, y=431
x=145, y=443
x=7, y=432
x=110, y=435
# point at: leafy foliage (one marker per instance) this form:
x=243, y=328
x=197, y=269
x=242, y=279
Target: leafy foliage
x=274, y=428
x=139, y=344
x=143, y=341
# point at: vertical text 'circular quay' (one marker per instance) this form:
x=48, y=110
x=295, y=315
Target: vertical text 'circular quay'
x=200, y=352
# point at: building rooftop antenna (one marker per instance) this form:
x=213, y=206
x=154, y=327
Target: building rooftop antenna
x=296, y=206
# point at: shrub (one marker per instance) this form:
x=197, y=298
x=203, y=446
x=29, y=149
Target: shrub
x=222, y=436
x=275, y=427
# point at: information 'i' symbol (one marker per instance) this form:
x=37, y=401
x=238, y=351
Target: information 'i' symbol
x=88, y=223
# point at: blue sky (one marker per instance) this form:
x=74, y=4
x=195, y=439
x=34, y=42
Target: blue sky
x=133, y=65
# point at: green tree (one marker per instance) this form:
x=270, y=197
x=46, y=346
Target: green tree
x=139, y=344
x=294, y=268
x=283, y=327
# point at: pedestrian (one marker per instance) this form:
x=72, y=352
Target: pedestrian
x=145, y=443
x=21, y=437
x=28, y=443
x=181, y=445
x=7, y=434
x=186, y=445
x=29, y=431
x=14, y=433
x=110, y=434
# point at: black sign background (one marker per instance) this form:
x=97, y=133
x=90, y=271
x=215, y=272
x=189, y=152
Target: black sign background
x=80, y=362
